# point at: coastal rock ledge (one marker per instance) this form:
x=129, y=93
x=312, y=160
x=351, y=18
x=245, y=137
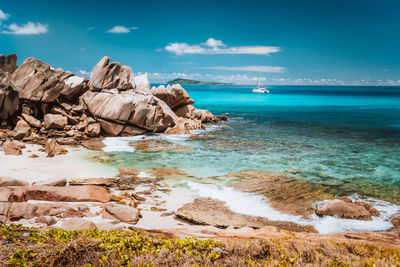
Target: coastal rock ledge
x=38, y=102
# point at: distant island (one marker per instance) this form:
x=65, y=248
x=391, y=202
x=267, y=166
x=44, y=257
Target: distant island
x=188, y=81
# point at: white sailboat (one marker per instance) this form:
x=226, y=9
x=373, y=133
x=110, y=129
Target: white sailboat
x=259, y=89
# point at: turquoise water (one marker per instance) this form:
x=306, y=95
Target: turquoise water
x=344, y=137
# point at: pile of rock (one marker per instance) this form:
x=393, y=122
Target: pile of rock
x=43, y=102
x=72, y=207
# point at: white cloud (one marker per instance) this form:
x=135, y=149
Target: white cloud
x=84, y=73
x=212, y=46
x=271, y=69
x=90, y=28
x=3, y=16
x=26, y=29
x=121, y=29
x=211, y=42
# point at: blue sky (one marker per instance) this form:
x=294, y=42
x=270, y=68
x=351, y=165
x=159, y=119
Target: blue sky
x=288, y=42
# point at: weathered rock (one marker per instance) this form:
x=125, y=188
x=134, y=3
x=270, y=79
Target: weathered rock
x=52, y=148
x=9, y=100
x=374, y=212
x=76, y=86
x=93, y=130
x=203, y=115
x=93, y=143
x=396, y=220
x=8, y=63
x=129, y=108
x=185, y=111
x=109, y=76
x=77, y=224
x=55, y=121
x=19, y=210
x=123, y=213
x=344, y=210
x=214, y=212
x=37, y=81
x=93, y=181
x=180, y=127
x=32, y=121
x=52, y=182
x=21, y=130
x=12, y=148
x=48, y=220
x=175, y=96
x=142, y=84
x=83, y=193
x=5, y=181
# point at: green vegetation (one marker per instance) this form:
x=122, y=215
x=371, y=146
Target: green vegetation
x=34, y=247
x=188, y=81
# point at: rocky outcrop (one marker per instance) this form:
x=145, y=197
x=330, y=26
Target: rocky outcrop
x=110, y=76
x=37, y=81
x=59, y=104
x=8, y=63
x=207, y=211
x=128, y=108
x=347, y=210
x=175, y=96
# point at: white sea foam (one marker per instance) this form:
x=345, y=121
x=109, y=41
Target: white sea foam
x=117, y=144
x=143, y=174
x=122, y=144
x=257, y=205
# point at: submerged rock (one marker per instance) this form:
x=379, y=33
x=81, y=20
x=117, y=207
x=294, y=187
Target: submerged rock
x=345, y=210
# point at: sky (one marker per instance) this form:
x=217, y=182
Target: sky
x=354, y=42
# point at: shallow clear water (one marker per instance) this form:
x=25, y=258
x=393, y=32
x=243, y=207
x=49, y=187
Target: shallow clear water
x=345, y=137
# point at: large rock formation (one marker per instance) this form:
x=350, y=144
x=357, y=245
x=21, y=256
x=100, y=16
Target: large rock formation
x=110, y=76
x=38, y=81
x=8, y=63
x=70, y=106
x=128, y=108
x=175, y=96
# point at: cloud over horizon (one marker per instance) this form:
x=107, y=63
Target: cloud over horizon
x=213, y=46
x=29, y=28
x=121, y=29
x=3, y=16
x=271, y=69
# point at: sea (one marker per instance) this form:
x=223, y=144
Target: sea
x=344, y=137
